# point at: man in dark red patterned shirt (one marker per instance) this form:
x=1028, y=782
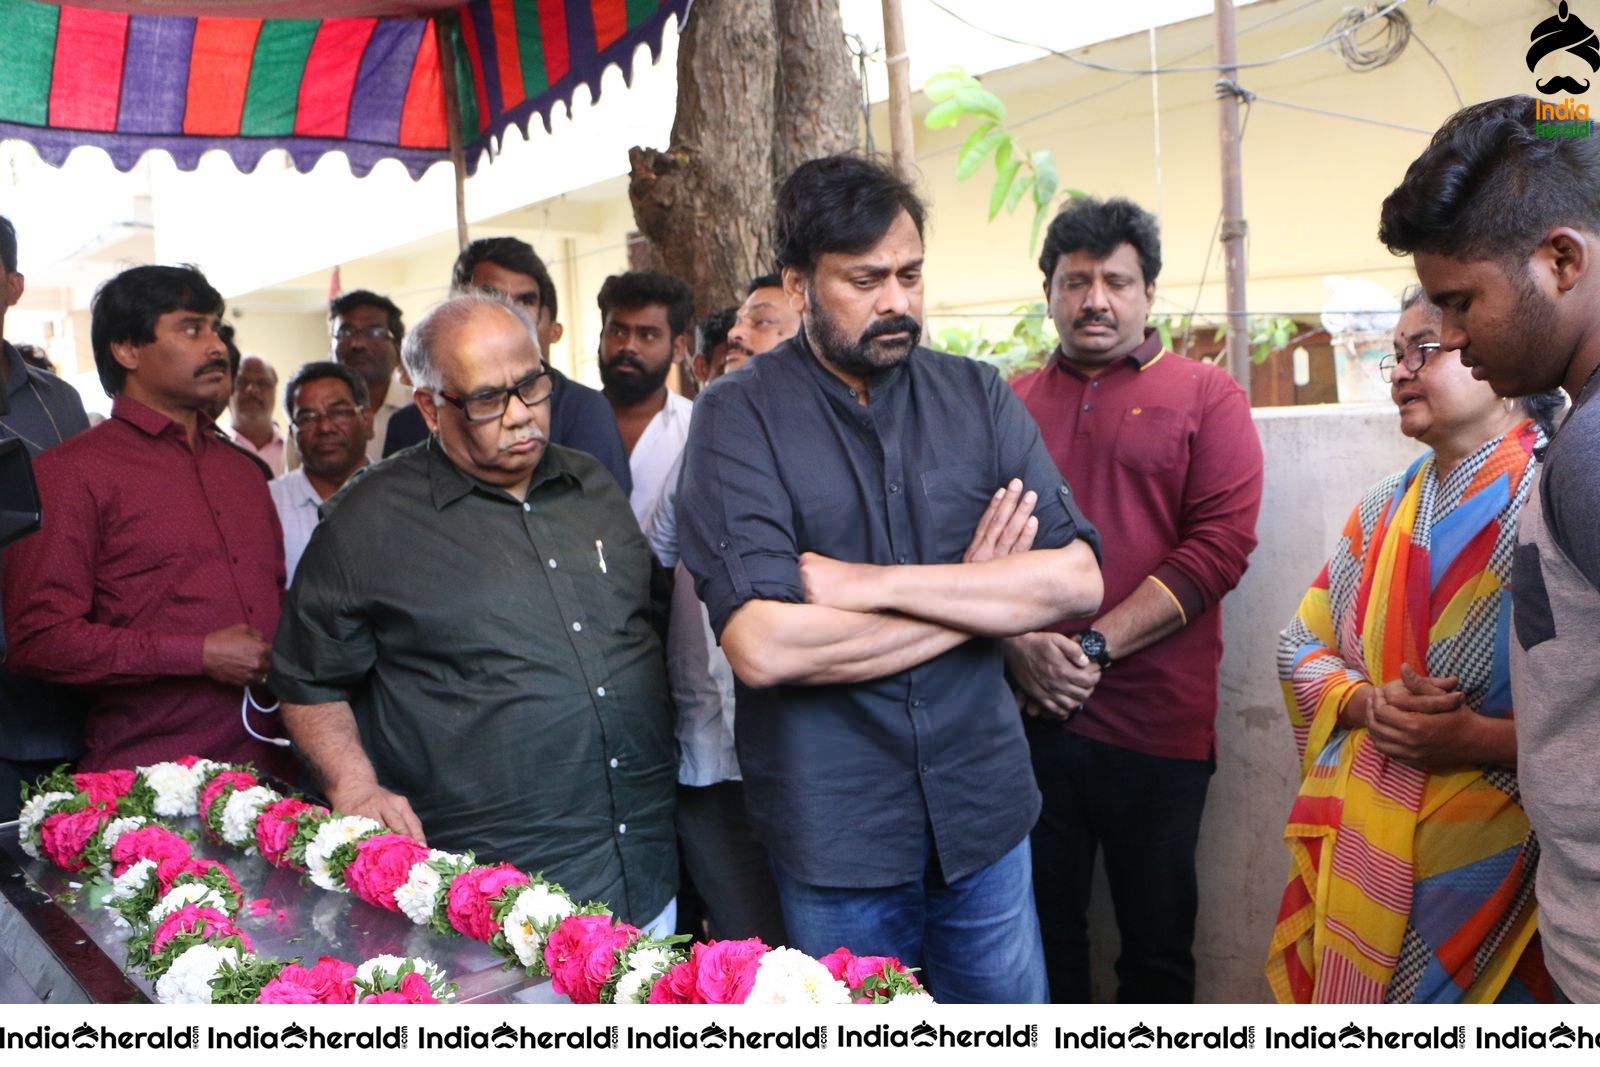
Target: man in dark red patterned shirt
x=159, y=568
x=1167, y=464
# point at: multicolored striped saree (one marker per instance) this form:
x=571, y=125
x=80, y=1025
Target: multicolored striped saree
x=1406, y=885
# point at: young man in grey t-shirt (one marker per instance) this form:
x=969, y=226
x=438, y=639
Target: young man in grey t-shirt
x=1504, y=225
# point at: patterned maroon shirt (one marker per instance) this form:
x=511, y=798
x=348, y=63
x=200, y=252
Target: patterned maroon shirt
x=1165, y=461
x=147, y=547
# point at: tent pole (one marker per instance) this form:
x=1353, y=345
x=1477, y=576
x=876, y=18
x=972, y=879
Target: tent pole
x=1234, y=227
x=452, y=120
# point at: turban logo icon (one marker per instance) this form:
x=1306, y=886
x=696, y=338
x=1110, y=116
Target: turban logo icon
x=1564, y=32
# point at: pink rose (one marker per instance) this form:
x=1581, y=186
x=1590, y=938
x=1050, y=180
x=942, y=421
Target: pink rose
x=209, y=923
x=472, y=895
x=219, y=783
x=331, y=981
x=414, y=989
x=677, y=986
x=147, y=843
x=65, y=834
x=727, y=970
x=105, y=788
x=381, y=866
x=580, y=953
x=187, y=761
x=838, y=962
x=863, y=967
x=276, y=826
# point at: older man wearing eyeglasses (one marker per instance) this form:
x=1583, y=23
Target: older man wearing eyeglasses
x=502, y=689
x=367, y=332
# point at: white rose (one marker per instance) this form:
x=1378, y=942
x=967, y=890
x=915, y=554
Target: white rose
x=190, y=893
x=33, y=813
x=130, y=882
x=177, y=788
x=188, y=980
x=419, y=894
x=536, y=910
x=381, y=969
x=242, y=810
x=789, y=976
x=329, y=836
x=117, y=827
x=644, y=966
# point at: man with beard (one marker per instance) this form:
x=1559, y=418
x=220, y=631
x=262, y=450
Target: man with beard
x=255, y=384
x=330, y=424
x=367, y=332
x=503, y=689
x=1504, y=226
x=160, y=563
x=1122, y=713
x=645, y=330
x=835, y=512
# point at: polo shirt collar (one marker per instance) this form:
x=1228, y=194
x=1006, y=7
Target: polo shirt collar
x=1148, y=352
x=17, y=369
x=448, y=483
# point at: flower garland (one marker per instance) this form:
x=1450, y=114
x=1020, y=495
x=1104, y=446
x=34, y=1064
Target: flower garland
x=182, y=909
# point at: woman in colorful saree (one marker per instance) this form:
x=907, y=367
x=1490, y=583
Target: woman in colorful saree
x=1412, y=863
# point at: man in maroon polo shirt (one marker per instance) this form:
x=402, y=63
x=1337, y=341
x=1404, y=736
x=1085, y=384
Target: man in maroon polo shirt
x=1121, y=715
x=156, y=579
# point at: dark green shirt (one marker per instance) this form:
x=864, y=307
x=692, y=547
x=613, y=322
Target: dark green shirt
x=504, y=679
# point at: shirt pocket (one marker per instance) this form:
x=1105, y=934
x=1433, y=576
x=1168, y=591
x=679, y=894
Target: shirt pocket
x=1530, y=601
x=957, y=496
x=1150, y=439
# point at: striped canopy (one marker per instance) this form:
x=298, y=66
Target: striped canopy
x=371, y=87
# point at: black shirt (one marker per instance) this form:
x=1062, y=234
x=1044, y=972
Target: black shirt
x=580, y=417
x=503, y=679
x=844, y=782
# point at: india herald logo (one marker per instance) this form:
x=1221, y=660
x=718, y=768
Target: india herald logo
x=1566, y=33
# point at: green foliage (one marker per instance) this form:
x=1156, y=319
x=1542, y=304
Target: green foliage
x=1019, y=174
x=1025, y=348
x=1267, y=333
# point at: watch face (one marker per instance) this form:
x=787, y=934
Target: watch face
x=1093, y=644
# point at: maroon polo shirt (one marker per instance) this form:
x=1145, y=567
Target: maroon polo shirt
x=1164, y=460
x=148, y=545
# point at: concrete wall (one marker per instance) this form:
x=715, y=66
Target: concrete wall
x=1319, y=461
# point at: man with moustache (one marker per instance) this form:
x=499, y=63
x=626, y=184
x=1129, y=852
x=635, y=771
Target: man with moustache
x=645, y=330
x=254, y=386
x=160, y=563
x=330, y=424
x=579, y=416
x=537, y=729
x=367, y=332
x=833, y=491
x=763, y=321
x=1504, y=227
x=1122, y=712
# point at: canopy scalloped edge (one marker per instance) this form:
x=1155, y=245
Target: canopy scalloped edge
x=125, y=150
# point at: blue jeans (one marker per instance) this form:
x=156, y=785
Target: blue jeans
x=976, y=939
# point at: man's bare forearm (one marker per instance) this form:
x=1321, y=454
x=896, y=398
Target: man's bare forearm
x=327, y=737
x=1148, y=614
x=997, y=598
x=769, y=643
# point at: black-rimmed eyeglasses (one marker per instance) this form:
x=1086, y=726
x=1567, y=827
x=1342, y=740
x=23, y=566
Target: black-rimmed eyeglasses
x=1413, y=359
x=490, y=404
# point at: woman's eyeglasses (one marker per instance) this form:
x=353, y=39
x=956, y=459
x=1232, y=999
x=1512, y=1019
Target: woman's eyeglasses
x=1413, y=359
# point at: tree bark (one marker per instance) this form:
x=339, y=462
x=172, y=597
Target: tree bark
x=763, y=85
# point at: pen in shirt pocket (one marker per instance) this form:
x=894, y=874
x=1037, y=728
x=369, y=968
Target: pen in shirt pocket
x=600, y=553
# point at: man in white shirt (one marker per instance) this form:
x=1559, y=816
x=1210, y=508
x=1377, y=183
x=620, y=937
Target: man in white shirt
x=250, y=409
x=645, y=330
x=331, y=426
x=367, y=331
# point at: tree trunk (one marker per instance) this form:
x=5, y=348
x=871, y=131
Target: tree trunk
x=762, y=86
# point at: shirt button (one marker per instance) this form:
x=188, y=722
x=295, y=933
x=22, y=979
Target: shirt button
x=552, y=564
x=613, y=761
x=723, y=543
x=526, y=506
x=577, y=627
x=926, y=768
x=919, y=702
x=902, y=559
x=1088, y=407
x=600, y=692
x=894, y=487
x=622, y=828
x=1094, y=385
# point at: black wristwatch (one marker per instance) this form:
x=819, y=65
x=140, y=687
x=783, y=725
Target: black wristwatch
x=1093, y=643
